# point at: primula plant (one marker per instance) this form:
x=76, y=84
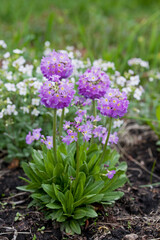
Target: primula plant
x=76, y=167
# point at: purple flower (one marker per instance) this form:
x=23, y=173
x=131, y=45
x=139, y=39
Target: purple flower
x=93, y=83
x=81, y=112
x=78, y=119
x=110, y=174
x=56, y=94
x=86, y=131
x=81, y=101
x=36, y=133
x=71, y=137
x=29, y=138
x=114, y=104
x=113, y=138
x=66, y=125
x=56, y=63
x=49, y=142
x=97, y=132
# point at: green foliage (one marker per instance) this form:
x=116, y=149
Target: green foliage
x=68, y=198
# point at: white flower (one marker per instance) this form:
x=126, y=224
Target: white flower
x=8, y=101
x=25, y=109
x=3, y=44
x=5, y=64
x=35, y=112
x=11, y=109
x=117, y=123
x=138, y=61
x=27, y=69
x=8, y=75
x=38, y=70
x=151, y=79
x=59, y=112
x=127, y=90
x=131, y=71
x=47, y=51
x=69, y=48
x=121, y=81
x=47, y=44
x=35, y=101
x=18, y=62
x=2, y=113
x=10, y=87
x=134, y=81
x=6, y=55
x=17, y=51
x=22, y=88
x=138, y=92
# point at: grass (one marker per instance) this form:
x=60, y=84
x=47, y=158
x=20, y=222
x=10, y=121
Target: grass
x=115, y=30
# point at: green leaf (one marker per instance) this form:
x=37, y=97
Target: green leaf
x=158, y=113
x=75, y=227
x=90, y=212
x=54, y=205
x=80, y=186
x=69, y=201
x=48, y=188
x=94, y=199
x=94, y=188
x=112, y=196
x=79, y=213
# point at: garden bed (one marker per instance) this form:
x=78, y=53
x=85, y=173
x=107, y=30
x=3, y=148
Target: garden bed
x=135, y=216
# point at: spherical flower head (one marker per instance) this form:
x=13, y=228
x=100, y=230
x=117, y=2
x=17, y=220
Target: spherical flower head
x=114, y=103
x=56, y=63
x=56, y=94
x=93, y=83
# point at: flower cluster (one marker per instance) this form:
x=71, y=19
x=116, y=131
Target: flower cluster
x=36, y=135
x=93, y=83
x=138, y=62
x=56, y=94
x=85, y=125
x=114, y=104
x=56, y=63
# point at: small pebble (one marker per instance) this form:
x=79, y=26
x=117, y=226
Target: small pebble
x=131, y=236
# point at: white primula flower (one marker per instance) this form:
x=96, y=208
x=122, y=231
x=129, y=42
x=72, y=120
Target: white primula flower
x=17, y=51
x=9, y=75
x=35, y=112
x=127, y=90
x=10, y=87
x=117, y=123
x=121, y=81
x=151, y=79
x=59, y=112
x=25, y=109
x=35, y=101
x=6, y=55
x=3, y=44
x=2, y=113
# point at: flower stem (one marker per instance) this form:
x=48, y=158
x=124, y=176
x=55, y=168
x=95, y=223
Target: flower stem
x=94, y=108
x=105, y=145
x=54, y=134
x=61, y=122
x=77, y=159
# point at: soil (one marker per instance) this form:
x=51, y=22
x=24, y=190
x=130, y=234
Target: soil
x=135, y=216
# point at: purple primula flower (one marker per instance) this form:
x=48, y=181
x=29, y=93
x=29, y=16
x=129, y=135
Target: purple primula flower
x=97, y=132
x=114, y=104
x=113, y=138
x=81, y=101
x=49, y=142
x=56, y=94
x=110, y=174
x=70, y=138
x=93, y=83
x=78, y=119
x=81, y=112
x=36, y=133
x=56, y=63
x=86, y=131
x=29, y=138
x=66, y=125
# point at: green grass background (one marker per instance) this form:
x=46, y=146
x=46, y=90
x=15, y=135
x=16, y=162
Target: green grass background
x=115, y=30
